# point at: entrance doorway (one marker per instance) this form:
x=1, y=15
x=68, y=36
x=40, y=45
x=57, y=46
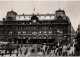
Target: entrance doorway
x=20, y=41
x=41, y=41
x=24, y=41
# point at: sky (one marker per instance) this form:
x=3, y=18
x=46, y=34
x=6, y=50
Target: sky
x=71, y=8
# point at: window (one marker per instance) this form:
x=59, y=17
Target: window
x=50, y=31
x=50, y=15
x=10, y=14
x=19, y=16
x=45, y=27
x=19, y=27
x=29, y=17
x=29, y=37
x=50, y=27
x=9, y=37
x=10, y=32
x=5, y=32
x=44, y=37
x=34, y=27
x=39, y=32
x=40, y=27
x=29, y=32
x=34, y=37
x=26, y=27
x=23, y=23
x=65, y=36
x=24, y=37
x=39, y=37
x=24, y=32
x=44, y=16
x=49, y=37
x=34, y=33
x=19, y=32
x=60, y=31
x=18, y=37
x=30, y=22
x=24, y=16
x=45, y=32
x=60, y=17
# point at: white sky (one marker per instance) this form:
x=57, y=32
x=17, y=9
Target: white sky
x=72, y=8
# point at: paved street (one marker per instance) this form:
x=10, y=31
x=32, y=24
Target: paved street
x=33, y=50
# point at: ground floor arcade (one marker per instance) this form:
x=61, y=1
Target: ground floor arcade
x=32, y=41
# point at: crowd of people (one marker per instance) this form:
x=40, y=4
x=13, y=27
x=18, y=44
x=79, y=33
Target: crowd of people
x=51, y=50
x=39, y=50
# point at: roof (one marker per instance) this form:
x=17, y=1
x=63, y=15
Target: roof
x=1, y=22
x=79, y=26
x=60, y=10
x=12, y=12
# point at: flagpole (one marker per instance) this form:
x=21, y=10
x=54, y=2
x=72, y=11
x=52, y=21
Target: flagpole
x=34, y=6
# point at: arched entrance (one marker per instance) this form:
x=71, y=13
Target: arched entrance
x=20, y=41
x=41, y=41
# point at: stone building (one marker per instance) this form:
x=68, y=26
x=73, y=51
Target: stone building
x=77, y=40
x=36, y=28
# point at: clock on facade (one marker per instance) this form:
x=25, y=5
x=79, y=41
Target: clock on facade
x=34, y=21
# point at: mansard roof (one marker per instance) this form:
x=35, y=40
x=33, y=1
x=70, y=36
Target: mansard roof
x=60, y=11
x=12, y=12
x=38, y=17
x=1, y=22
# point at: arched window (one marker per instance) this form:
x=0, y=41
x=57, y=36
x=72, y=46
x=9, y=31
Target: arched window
x=59, y=17
x=34, y=33
x=9, y=18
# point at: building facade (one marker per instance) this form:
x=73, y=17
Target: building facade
x=36, y=28
x=77, y=40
